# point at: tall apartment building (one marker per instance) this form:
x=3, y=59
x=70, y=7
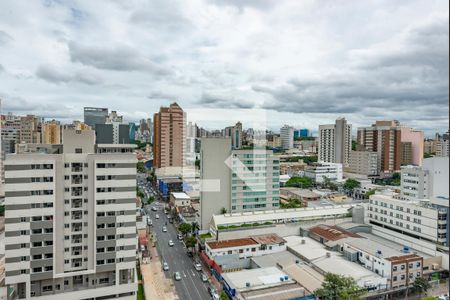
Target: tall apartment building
x=287, y=137
x=335, y=142
x=427, y=182
x=51, y=133
x=236, y=136
x=406, y=157
x=113, y=130
x=415, y=140
x=169, y=137
x=70, y=222
x=236, y=180
x=383, y=137
x=95, y=115
x=363, y=163
x=191, y=137
x=30, y=129
x=442, y=147
x=416, y=219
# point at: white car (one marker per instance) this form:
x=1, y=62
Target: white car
x=165, y=266
x=204, y=277
x=156, y=216
x=177, y=276
x=198, y=266
x=164, y=229
x=171, y=244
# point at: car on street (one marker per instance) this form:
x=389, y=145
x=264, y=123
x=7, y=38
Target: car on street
x=177, y=276
x=189, y=253
x=180, y=236
x=198, y=266
x=156, y=216
x=165, y=266
x=204, y=277
x=171, y=244
x=142, y=248
x=212, y=291
x=154, y=208
x=164, y=229
x=149, y=222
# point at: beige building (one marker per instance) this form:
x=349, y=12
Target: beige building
x=335, y=142
x=30, y=127
x=71, y=220
x=363, y=163
x=169, y=137
x=384, y=138
x=51, y=133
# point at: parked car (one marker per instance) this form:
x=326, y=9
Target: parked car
x=164, y=229
x=154, y=208
x=204, y=277
x=165, y=266
x=212, y=291
x=156, y=216
x=189, y=253
x=177, y=276
x=180, y=236
x=171, y=244
x=197, y=266
x=142, y=248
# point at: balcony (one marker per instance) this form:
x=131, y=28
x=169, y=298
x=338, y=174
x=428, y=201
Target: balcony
x=77, y=179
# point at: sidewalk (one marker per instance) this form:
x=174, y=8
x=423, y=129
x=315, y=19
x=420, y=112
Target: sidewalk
x=156, y=285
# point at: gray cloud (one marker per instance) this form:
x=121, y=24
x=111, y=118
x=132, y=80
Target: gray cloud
x=116, y=58
x=258, y=4
x=219, y=101
x=415, y=74
x=57, y=75
x=4, y=38
x=2, y=68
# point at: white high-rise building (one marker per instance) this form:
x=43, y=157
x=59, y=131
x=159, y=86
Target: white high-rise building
x=335, y=142
x=70, y=221
x=236, y=180
x=287, y=137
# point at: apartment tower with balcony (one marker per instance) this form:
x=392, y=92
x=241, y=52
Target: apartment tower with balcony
x=70, y=222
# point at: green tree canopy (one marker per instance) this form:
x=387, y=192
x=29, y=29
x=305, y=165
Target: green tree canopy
x=184, y=228
x=421, y=285
x=338, y=287
x=191, y=242
x=301, y=182
x=351, y=184
x=140, y=167
x=369, y=193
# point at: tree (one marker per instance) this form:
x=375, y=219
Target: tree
x=338, y=287
x=140, y=194
x=369, y=193
x=191, y=242
x=140, y=167
x=350, y=184
x=354, y=144
x=223, y=296
x=421, y=285
x=301, y=182
x=185, y=228
x=223, y=210
x=427, y=155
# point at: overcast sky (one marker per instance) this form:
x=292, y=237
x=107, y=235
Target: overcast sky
x=297, y=62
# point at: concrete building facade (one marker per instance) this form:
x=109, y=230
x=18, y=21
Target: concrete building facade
x=95, y=115
x=384, y=138
x=287, y=137
x=335, y=142
x=71, y=220
x=363, y=163
x=169, y=137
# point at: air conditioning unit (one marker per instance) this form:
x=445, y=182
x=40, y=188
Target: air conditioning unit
x=303, y=242
x=435, y=266
x=328, y=254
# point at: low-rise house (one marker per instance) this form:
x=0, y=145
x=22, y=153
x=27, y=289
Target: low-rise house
x=246, y=247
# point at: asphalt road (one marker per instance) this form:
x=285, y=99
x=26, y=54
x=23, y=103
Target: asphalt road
x=190, y=287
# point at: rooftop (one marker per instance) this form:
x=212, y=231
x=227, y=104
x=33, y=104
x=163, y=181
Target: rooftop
x=231, y=243
x=301, y=192
x=332, y=233
x=255, y=278
x=181, y=196
x=281, y=214
x=268, y=239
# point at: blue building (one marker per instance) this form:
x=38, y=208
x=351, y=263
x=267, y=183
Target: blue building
x=299, y=133
x=132, y=133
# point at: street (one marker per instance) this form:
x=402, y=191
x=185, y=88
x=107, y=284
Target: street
x=190, y=286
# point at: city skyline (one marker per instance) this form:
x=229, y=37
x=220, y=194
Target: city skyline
x=386, y=61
